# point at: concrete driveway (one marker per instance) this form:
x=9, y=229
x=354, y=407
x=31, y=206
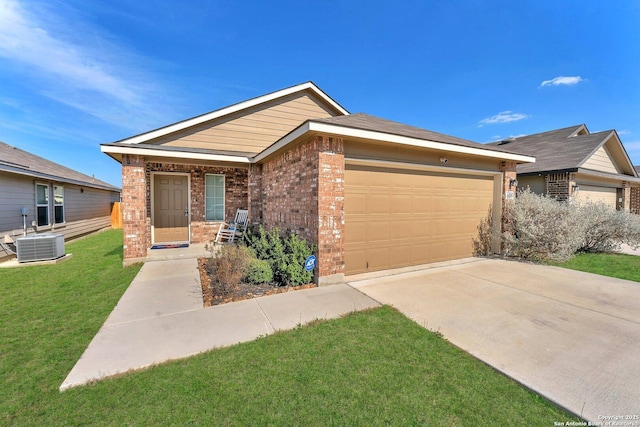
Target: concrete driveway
x=572, y=337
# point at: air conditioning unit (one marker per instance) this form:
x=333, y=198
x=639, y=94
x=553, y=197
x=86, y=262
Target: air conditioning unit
x=40, y=247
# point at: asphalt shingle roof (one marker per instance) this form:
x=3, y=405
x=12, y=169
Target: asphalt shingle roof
x=15, y=160
x=366, y=122
x=556, y=149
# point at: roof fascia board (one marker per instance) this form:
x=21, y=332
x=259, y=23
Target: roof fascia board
x=541, y=173
x=233, y=109
x=54, y=178
x=310, y=126
x=415, y=142
x=611, y=176
x=174, y=154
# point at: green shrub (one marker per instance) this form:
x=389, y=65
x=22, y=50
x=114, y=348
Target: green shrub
x=258, y=272
x=286, y=255
x=296, y=253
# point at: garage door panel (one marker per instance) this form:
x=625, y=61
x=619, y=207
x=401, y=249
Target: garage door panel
x=356, y=203
x=357, y=232
x=606, y=195
x=420, y=204
x=401, y=203
x=410, y=217
x=378, y=231
x=401, y=230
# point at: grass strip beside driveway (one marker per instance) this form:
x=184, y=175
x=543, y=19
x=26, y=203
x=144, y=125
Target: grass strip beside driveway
x=621, y=266
x=369, y=368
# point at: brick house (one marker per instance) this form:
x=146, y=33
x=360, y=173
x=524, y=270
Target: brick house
x=574, y=164
x=372, y=194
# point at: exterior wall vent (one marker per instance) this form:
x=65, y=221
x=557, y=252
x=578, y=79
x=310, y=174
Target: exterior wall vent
x=40, y=247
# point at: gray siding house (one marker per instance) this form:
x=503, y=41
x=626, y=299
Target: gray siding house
x=53, y=197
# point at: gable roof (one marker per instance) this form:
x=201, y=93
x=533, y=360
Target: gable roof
x=364, y=126
x=15, y=160
x=564, y=149
x=154, y=143
x=234, y=108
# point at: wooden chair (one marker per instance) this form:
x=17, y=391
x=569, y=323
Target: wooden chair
x=234, y=229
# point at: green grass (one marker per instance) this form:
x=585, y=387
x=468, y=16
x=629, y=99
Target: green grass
x=613, y=265
x=369, y=368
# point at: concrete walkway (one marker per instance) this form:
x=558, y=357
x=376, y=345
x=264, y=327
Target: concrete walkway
x=160, y=317
x=573, y=337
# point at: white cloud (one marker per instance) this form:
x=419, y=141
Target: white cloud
x=503, y=117
x=624, y=132
x=562, y=80
x=87, y=72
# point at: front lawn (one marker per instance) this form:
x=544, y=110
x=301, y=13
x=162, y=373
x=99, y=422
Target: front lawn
x=613, y=265
x=370, y=368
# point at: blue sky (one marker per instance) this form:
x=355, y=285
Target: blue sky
x=76, y=73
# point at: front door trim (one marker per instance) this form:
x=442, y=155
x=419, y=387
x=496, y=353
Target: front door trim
x=152, y=179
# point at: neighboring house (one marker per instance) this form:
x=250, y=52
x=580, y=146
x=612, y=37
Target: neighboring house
x=572, y=163
x=54, y=198
x=635, y=195
x=372, y=194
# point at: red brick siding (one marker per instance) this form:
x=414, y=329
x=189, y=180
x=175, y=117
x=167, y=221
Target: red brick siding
x=331, y=208
x=557, y=186
x=134, y=206
x=302, y=191
x=634, y=200
x=136, y=200
x=289, y=191
x=236, y=195
x=255, y=194
x=508, y=170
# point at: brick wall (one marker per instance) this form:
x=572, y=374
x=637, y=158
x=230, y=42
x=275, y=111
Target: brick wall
x=136, y=200
x=255, y=194
x=634, y=200
x=508, y=170
x=134, y=206
x=302, y=191
x=558, y=185
x=330, y=206
x=236, y=195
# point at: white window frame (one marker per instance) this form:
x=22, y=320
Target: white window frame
x=56, y=205
x=43, y=205
x=224, y=197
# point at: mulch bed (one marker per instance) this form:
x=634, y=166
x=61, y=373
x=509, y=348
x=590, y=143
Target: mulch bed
x=244, y=291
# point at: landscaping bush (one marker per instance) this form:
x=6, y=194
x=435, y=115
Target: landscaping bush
x=606, y=229
x=546, y=229
x=258, y=272
x=286, y=255
x=543, y=228
x=228, y=268
x=482, y=244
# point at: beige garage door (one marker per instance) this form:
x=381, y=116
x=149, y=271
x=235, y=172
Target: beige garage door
x=397, y=218
x=598, y=194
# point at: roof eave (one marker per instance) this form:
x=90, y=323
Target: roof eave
x=55, y=178
x=112, y=150
x=345, y=131
x=137, y=139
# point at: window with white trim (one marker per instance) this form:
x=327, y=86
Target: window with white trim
x=58, y=204
x=214, y=197
x=42, y=204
